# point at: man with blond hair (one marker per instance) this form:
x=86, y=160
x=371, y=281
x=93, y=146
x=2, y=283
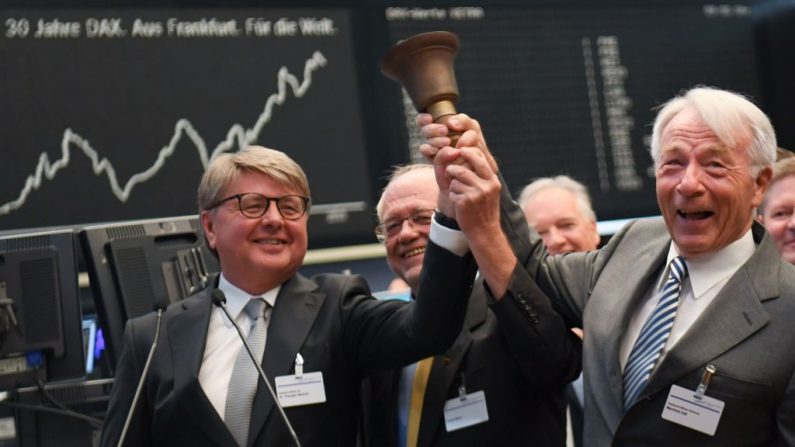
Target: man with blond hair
x=203, y=389
x=777, y=212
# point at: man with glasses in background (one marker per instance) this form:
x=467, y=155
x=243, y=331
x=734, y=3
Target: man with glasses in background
x=502, y=382
x=203, y=389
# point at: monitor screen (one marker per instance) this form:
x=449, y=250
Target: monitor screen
x=89, y=342
x=133, y=265
x=40, y=323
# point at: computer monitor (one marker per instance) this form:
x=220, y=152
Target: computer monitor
x=64, y=414
x=133, y=265
x=40, y=320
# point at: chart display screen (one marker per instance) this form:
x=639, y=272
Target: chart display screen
x=114, y=114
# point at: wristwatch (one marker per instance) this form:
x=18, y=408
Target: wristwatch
x=445, y=221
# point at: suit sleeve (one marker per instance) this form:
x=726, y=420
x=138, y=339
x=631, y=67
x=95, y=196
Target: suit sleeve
x=390, y=334
x=128, y=372
x=546, y=351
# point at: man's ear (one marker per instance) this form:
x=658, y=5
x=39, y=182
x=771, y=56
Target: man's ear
x=597, y=237
x=208, y=227
x=762, y=181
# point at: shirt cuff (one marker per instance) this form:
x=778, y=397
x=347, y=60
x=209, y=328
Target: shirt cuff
x=452, y=240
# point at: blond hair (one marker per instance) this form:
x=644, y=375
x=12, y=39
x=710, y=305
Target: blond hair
x=225, y=169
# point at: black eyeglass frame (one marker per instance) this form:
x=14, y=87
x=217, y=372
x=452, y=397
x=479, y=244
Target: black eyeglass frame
x=268, y=201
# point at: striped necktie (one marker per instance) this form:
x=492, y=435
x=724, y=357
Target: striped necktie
x=243, y=383
x=654, y=334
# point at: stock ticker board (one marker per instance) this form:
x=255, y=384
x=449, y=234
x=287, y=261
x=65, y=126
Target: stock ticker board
x=571, y=90
x=112, y=114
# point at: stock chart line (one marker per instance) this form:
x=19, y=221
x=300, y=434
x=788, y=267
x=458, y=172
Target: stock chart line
x=238, y=136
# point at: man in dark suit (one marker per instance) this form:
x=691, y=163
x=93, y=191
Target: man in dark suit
x=254, y=214
x=512, y=359
x=716, y=368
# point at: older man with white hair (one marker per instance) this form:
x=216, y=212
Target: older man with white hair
x=688, y=318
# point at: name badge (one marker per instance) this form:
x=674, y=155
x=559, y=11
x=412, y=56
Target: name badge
x=465, y=411
x=685, y=407
x=305, y=389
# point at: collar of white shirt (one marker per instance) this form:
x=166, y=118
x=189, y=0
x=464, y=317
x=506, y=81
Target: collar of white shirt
x=707, y=271
x=236, y=298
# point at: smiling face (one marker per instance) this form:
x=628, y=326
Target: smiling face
x=415, y=190
x=555, y=214
x=779, y=216
x=704, y=189
x=255, y=254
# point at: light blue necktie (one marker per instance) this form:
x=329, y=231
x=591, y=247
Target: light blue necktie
x=654, y=334
x=243, y=384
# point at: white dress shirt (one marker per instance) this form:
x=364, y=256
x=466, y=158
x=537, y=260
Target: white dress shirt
x=707, y=275
x=224, y=344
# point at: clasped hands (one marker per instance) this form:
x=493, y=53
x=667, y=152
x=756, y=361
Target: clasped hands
x=469, y=188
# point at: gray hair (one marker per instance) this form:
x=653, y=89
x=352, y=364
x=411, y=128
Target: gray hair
x=225, y=168
x=730, y=115
x=394, y=174
x=565, y=183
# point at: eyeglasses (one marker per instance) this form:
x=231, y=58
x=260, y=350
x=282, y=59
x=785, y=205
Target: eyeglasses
x=255, y=205
x=391, y=228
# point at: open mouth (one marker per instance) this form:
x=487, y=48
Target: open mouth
x=694, y=215
x=414, y=252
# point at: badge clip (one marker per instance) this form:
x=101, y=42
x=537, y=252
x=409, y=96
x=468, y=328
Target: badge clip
x=462, y=389
x=299, y=366
x=709, y=370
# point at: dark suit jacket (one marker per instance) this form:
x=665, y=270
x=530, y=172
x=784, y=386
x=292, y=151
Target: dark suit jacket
x=332, y=320
x=747, y=332
x=517, y=350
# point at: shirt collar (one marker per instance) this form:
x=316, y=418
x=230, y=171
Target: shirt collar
x=236, y=298
x=708, y=270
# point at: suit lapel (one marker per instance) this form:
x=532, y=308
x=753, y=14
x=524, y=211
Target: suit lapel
x=184, y=330
x=292, y=318
x=608, y=320
x=444, y=370
x=735, y=314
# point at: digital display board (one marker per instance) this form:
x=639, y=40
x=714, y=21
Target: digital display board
x=572, y=90
x=113, y=113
